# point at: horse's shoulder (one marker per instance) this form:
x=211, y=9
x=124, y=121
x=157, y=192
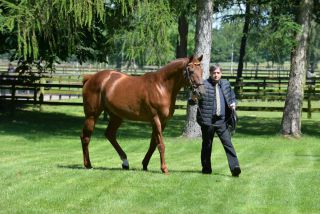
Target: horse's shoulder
x=150, y=76
x=111, y=73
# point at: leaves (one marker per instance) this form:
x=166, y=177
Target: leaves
x=54, y=21
x=148, y=33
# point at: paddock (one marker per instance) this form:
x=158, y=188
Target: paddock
x=41, y=167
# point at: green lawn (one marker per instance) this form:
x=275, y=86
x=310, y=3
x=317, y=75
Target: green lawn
x=41, y=168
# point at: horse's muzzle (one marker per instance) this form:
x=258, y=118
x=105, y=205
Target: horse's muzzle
x=199, y=91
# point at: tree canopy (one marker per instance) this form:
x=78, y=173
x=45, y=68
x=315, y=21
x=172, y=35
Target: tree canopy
x=86, y=29
x=144, y=31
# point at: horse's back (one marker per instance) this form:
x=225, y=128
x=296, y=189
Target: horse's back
x=113, y=91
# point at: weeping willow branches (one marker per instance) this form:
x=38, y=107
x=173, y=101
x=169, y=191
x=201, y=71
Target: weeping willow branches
x=138, y=29
x=55, y=21
x=148, y=35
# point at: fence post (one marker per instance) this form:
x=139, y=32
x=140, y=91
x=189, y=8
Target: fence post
x=13, y=97
x=310, y=92
x=41, y=96
x=264, y=90
x=35, y=87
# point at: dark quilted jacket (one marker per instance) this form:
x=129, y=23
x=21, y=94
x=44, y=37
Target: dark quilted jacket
x=206, y=103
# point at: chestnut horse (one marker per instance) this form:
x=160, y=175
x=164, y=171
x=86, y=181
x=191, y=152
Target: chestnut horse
x=149, y=98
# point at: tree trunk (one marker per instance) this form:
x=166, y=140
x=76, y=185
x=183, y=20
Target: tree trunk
x=291, y=119
x=182, y=44
x=203, y=47
x=203, y=33
x=243, y=44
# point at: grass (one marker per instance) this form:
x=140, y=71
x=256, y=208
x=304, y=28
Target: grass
x=41, y=168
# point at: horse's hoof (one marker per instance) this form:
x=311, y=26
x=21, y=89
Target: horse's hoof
x=165, y=171
x=87, y=165
x=145, y=168
x=126, y=167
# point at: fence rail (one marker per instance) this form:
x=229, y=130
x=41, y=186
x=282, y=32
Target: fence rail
x=57, y=89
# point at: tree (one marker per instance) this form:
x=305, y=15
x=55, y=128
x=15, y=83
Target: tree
x=224, y=41
x=88, y=29
x=48, y=27
x=314, y=47
x=182, y=42
x=244, y=41
x=147, y=36
x=183, y=11
x=203, y=47
x=291, y=119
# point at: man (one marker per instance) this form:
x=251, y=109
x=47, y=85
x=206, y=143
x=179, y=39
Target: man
x=212, y=115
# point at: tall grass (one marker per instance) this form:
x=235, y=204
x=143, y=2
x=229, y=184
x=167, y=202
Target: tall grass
x=41, y=168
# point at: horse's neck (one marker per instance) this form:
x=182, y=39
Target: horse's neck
x=172, y=75
x=173, y=79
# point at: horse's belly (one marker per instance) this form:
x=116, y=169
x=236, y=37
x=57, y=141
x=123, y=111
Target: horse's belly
x=130, y=112
x=133, y=102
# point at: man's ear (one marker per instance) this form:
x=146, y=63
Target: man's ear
x=200, y=58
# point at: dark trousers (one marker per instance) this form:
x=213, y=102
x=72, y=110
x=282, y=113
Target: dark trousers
x=225, y=138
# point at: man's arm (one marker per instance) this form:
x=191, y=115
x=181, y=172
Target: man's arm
x=233, y=98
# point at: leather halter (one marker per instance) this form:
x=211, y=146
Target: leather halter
x=192, y=85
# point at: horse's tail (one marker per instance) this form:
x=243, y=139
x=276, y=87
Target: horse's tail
x=86, y=77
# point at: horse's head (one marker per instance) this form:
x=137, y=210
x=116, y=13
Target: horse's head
x=193, y=74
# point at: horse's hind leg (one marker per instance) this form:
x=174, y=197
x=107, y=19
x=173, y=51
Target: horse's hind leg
x=85, y=139
x=111, y=133
x=150, y=151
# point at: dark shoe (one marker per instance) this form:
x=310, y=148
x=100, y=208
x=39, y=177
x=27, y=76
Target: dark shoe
x=236, y=171
x=206, y=171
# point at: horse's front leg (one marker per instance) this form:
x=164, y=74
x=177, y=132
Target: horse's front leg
x=152, y=148
x=157, y=129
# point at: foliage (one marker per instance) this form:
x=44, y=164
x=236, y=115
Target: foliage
x=314, y=47
x=271, y=35
x=278, y=38
x=147, y=38
x=226, y=41
x=141, y=31
x=88, y=29
x=53, y=24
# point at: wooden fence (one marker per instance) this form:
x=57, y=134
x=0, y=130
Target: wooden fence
x=59, y=88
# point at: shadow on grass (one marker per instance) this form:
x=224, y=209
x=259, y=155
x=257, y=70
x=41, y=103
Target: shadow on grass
x=257, y=126
x=33, y=124
x=80, y=167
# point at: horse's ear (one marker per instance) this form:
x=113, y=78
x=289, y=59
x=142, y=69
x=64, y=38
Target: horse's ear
x=190, y=58
x=200, y=58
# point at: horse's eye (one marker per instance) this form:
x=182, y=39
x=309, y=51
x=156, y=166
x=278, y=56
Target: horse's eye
x=191, y=70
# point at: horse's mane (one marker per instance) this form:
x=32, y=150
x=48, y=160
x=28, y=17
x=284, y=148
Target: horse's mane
x=172, y=66
x=181, y=62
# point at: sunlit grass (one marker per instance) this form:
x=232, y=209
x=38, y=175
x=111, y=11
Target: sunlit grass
x=41, y=168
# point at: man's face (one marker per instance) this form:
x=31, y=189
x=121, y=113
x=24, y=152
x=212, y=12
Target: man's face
x=216, y=75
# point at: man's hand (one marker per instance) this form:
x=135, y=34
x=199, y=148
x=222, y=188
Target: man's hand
x=233, y=106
